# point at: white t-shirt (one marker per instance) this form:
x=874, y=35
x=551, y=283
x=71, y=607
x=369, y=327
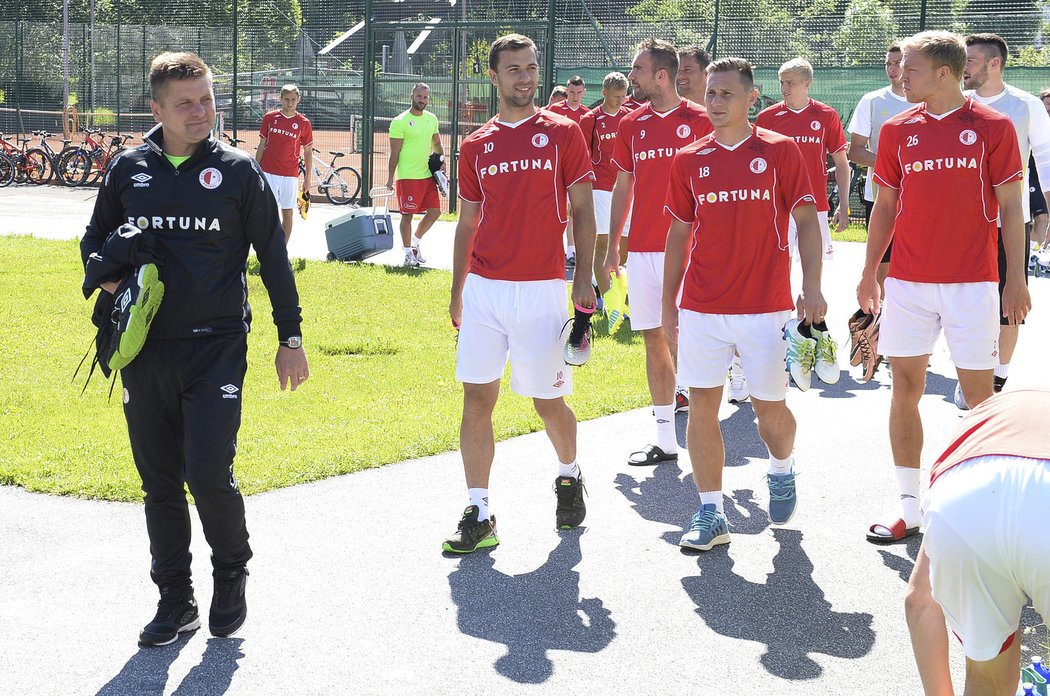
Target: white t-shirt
x=873, y=110
x=1032, y=124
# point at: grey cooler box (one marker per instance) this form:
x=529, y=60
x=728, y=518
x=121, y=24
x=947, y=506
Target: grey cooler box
x=362, y=233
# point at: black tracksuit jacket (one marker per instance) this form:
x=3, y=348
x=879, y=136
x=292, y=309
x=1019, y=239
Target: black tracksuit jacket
x=204, y=216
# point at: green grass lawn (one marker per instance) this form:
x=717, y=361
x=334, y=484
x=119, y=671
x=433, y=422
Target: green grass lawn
x=382, y=390
x=854, y=233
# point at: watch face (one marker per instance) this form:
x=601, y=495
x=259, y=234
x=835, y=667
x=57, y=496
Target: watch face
x=295, y=342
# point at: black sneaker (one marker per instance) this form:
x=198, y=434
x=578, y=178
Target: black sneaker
x=998, y=384
x=176, y=613
x=471, y=534
x=571, y=509
x=228, y=606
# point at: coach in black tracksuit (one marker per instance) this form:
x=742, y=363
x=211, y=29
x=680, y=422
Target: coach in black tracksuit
x=204, y=203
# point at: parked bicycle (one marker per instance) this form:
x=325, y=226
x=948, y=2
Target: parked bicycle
x=78, y=165
x=340, y=185
x=30, y=163
x=7, y=170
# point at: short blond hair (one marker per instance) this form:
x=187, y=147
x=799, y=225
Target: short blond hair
x=797, y=65
x=942, y=48
x=616, y=80
x=289, y=88
x=169, y=66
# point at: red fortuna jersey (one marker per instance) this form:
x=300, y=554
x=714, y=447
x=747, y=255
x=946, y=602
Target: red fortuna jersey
x=646, y=142
x=562, y=109
x=738, y=202
x=945, y=170
x=521, y=176
x=630, y=103
x=818, y=132
x=284, y=136
x=1009, y=424
x=599, y=130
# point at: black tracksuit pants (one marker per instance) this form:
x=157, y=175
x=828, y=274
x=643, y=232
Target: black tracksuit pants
x=182, y=401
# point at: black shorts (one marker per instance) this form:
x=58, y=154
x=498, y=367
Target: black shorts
x=1037, y=201
x=1002, y=267
x=868, y=205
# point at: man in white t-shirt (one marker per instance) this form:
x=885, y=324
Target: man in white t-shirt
x=985, y=61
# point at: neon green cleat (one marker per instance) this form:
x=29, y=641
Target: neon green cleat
x=472, y=534
x=137, y=301
x=615, y=299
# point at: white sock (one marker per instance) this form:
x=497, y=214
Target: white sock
x=572, y=469
x=415, y=241
x=781, y=466
x=712, y=498
x=408, y=251
x=480, y=497
x=908, y=482
x=572, y=250
x=1002, y=370
x=665, y=434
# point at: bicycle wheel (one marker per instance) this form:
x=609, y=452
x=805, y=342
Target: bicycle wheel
x=74, y=166
x=19, y=160
x=342, y=186
x=7, y=170
x=39, y=167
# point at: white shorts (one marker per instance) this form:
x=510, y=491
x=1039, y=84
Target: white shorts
x=602, y=210
x=706, y=343
x=645, y=278
x=285, y=189
x=914, y=314
x=825, y=235
x=627, y=223
x=985, y=536
x=522, y=319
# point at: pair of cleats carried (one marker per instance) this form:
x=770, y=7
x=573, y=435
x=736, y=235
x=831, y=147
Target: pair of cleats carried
x=177, y=610
x=473, y=533
x=709, y=527
x=135, y=305
x=303, y=203
x=576, y=336
x=864, y=342
x=811, y=349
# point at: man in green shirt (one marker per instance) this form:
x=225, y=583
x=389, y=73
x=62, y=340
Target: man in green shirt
x=413, y=135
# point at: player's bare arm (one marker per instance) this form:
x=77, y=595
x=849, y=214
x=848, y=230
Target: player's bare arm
x=395, y=154
x=811, y=255
x=308, y=164
x=469, y=213
x=676, y=255
x=880, y=232
x=581, y=203
x=292, y=367
x=260, y=150
x=842, y=181
x=623, y=190
x=858, y=152
x=1016, y=300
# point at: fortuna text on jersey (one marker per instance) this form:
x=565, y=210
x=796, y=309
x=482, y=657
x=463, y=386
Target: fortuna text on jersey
x=520, y=165
x=172, y=222
x=926, y=165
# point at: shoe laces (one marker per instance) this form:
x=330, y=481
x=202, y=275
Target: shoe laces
x=227, y=586
x=781, y=487
x=705, y=521
x=827, y=348
x=804, y=353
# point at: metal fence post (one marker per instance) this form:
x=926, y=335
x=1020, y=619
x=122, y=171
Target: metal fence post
x=233, y=87
x=116, y=57
x=922, y=16
x=368, y=73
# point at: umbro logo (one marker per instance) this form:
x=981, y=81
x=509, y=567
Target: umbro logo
x=141, y=180
x=230, y=391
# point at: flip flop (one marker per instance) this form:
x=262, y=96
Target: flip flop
x=649, y=455
x=898, y=532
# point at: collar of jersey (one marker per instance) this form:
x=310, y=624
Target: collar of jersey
x=941, y=117
x=992, y=99
x=732, y=148
x=664, y=114
x=518, y=123
x=808, y=104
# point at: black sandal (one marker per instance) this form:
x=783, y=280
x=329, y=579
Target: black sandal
x=649, y=455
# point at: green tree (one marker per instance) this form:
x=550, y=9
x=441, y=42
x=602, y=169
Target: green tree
x=868, y=28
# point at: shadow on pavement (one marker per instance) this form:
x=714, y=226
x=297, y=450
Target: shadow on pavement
x=847, y=386
x=146, y=673
x=941, y=385
x=899, y=563
x=531, y=613
x=665, y=497
x=788, y=613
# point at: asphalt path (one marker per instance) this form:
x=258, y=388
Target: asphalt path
x=349, y=592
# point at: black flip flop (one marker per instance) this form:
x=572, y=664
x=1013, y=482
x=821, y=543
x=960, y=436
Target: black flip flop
x=649, y=455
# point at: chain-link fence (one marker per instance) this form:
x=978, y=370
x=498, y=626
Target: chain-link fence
x=87, y=66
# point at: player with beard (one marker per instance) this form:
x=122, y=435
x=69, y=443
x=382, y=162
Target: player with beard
x=517, y=174
x=413, y=136
x=646, y=143
x=986, y=56
x=692, y=73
